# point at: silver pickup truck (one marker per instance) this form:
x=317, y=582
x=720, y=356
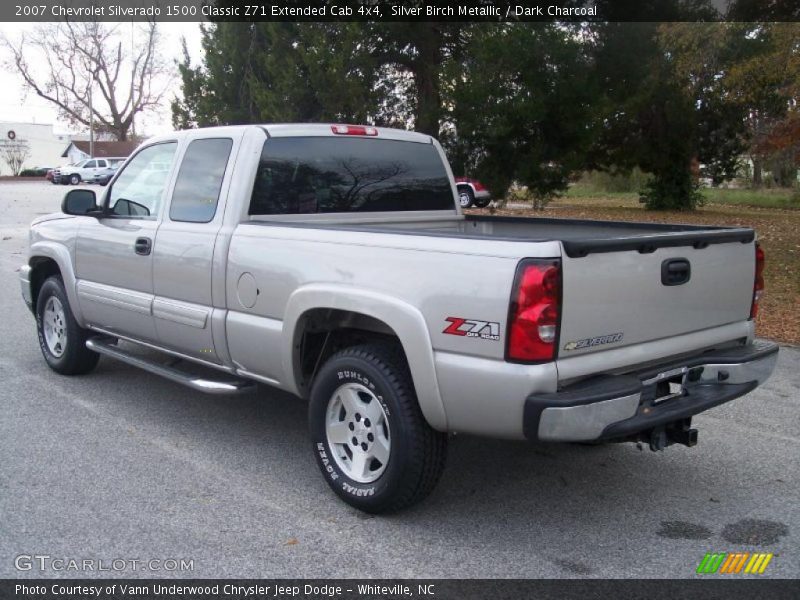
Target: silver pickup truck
x=334, y=262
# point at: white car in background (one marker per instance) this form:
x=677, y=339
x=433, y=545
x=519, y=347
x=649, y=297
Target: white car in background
x=87, y=170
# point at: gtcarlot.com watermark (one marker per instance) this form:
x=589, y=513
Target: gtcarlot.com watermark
x=45, y=562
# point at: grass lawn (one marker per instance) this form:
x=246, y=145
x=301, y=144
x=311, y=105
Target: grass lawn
x=778, y=231
x=764, y=198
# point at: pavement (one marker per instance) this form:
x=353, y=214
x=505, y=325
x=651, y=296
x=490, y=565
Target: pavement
x=123, y=465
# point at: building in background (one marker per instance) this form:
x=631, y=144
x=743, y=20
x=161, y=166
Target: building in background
x=44, y=147
x=78, y=150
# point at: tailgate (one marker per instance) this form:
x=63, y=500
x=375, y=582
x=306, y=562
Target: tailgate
x=614, y=298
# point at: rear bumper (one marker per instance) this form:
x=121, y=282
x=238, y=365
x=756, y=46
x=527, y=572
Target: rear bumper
x=621, y=406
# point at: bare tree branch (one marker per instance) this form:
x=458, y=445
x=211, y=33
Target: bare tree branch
x=59, y=62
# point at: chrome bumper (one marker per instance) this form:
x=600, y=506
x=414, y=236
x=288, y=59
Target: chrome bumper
x=613, y=407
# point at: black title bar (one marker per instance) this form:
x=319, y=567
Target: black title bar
x=352, y=589
x=399, y=10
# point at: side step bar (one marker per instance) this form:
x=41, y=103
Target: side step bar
x=103, y=345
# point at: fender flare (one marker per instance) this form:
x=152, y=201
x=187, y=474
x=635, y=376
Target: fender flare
x=404, y=319
x=61, y=255
x=467, y=184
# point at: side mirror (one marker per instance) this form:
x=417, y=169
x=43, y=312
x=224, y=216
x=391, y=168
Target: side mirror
x=80, y=202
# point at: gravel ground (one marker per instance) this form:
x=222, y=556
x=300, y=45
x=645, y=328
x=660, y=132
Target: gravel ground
x=121, y=464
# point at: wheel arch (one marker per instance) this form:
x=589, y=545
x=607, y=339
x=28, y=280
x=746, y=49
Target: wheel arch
x=330, y=308
x=47, y=259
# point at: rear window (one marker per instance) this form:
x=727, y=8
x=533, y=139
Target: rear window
x=307, y=175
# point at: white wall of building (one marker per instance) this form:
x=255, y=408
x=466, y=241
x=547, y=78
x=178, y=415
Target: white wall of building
x=45, y=146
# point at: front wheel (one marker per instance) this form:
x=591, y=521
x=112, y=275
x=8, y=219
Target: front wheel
x=466, y=197
x=61, y=340
x=372, y=443
x=75, y=179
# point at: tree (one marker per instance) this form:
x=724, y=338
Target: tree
x=648, y=120
x=15, y=154
x=521, y=100
x=746, y=80
x=60, y=62
x=276, y=72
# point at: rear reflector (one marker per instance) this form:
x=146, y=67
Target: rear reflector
x=354, y=130
x=534, y=313
x=758, y=283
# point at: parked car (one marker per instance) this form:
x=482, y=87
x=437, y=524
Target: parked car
x=103, y=176
x=85, y=170
x=49, y=175
x=471, y=192
x=334, y=262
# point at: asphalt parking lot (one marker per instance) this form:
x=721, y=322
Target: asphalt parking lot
x=122, y=464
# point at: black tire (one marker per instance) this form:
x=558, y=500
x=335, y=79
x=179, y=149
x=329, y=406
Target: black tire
x=466, y=197
x=76, y=358
x=74, y=179
x=483, y=203
x=418, y=452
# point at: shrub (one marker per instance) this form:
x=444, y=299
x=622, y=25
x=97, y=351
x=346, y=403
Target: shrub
x=673, y=190
x=33, y=173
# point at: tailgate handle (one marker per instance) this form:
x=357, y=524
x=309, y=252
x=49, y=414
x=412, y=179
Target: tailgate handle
x=675, y=271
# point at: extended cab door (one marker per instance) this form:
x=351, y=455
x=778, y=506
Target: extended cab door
x=114, y=254
x=184, y=266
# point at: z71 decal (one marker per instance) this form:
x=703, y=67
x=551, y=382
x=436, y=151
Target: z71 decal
x=485, y=330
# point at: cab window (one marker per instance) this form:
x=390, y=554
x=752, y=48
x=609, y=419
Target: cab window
x=199, y=181
x=139, y=188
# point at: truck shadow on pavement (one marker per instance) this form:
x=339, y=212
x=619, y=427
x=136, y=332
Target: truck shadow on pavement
x=494, y=495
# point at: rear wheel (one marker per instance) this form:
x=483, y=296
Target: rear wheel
x=61, y=340
x=370, y=438
x=483, y=203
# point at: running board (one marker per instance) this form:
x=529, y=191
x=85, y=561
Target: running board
x=101, y=345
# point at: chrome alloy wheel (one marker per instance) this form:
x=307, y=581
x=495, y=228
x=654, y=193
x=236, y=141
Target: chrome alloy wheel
x=358, y=432
x=55, y=326
x=464, y=199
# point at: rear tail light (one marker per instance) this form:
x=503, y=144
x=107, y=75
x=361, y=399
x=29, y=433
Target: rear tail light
x=534, y=314
x=758, y=283
x=354, y=130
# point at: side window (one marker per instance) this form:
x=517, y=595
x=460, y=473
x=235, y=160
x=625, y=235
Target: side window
x=138, y=190
x=199, y=180
x=89, y=165
x=101, y=163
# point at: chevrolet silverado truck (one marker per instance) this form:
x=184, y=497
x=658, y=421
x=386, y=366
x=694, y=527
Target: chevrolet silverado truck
x=334, y=262
x=87, y=170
